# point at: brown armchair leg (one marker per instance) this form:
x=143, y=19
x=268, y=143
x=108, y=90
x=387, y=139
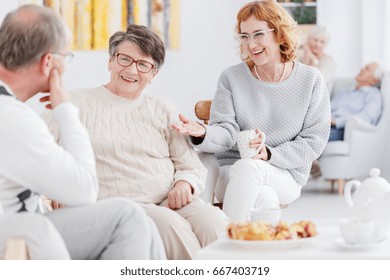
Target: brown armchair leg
x=341, y=184
x=331, y=181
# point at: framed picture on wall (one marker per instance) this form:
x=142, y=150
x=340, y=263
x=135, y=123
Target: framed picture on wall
x=94, y=21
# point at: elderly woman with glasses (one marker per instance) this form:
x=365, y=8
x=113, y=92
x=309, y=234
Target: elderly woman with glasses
x=138, y=155
x=270, y=92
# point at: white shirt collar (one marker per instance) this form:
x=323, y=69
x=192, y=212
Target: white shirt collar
x=364, y=89
x=8, y=89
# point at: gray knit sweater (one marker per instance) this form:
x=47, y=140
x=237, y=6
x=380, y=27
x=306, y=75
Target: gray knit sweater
x=294, y=114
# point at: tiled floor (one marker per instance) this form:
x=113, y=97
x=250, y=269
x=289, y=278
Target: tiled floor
x=317, y=204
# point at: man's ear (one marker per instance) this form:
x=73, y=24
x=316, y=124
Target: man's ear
x=373, y=81
x=46, y=63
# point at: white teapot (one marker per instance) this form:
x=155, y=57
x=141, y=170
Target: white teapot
x=371, y=201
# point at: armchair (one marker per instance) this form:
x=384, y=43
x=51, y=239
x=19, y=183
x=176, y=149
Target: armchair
x=363, y=145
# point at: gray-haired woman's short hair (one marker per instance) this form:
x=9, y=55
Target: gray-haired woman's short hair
x=319, y=31
x=29, y=32
x=148, y=42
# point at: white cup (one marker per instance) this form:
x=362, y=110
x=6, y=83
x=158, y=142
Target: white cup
x=243, y=138
x=270, y=215
x=356, y=231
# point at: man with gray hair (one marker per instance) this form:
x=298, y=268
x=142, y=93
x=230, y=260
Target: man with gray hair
x=34, y=44
x=364, y=101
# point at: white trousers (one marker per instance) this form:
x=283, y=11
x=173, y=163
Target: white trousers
x=110, y=229
x=255, y=184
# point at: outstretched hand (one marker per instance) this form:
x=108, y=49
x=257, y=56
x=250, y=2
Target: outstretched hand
x=189, y=127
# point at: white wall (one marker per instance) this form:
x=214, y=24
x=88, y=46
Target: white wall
x=358, y=32
x=207, y=47
x=190, y=73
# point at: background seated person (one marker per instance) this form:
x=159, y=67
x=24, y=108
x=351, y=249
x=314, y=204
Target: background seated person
x=138, y=155
x=312, y=53
x=364, y=101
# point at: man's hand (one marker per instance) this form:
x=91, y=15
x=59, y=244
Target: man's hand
x=189, y=127
x=180, y=195
x=57, y=205
x=57, y=93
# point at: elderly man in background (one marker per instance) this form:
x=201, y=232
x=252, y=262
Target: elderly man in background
x=34, y=46
x=364, y=101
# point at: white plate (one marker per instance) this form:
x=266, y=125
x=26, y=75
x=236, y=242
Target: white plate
x=271, y=244
x=342, y=244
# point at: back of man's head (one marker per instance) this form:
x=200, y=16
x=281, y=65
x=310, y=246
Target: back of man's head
x=27, y=33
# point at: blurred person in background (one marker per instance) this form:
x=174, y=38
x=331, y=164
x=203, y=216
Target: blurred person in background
x=312, y=53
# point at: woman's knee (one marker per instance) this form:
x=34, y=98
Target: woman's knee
x=211, y=216
x=247, y=167
x=209, y=221
x=267, y=198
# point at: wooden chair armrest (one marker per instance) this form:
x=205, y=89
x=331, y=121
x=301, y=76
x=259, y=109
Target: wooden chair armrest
x=16, y=249
x=202, y=110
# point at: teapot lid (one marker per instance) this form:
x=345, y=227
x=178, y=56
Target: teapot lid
x=375, y=172
x=376, y=180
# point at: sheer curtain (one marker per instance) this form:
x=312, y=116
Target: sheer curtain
x=358, y=32
x=375, y=39
x=386, y=36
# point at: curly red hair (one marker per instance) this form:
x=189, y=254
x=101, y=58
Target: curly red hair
x=278, y=19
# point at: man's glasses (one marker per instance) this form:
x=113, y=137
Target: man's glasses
x=258, y=37
x=68, y=56
x=142, y=65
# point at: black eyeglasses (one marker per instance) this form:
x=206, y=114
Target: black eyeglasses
x=68, y=56
x=142, y=65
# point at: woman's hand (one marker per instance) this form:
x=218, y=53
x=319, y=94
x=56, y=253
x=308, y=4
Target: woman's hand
x=189, y=127
x=180, y=195
x=257, y=142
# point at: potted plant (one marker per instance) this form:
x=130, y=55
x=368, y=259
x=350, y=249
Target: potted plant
x=304, y=14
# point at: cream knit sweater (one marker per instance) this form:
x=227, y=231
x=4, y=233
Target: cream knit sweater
x=138, y=155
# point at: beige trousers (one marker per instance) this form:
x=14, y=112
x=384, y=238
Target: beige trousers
x=185, y=231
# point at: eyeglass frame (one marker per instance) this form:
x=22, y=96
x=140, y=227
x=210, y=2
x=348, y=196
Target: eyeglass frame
x=134, y=61
x=264, y=31
x=68, y=56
